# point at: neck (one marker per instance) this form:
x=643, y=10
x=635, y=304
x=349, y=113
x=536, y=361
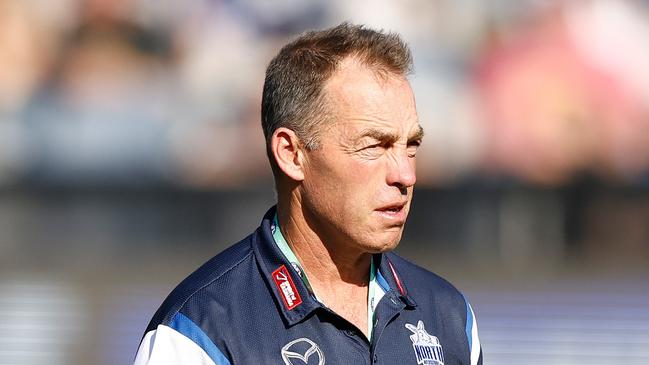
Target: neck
x=327, y=260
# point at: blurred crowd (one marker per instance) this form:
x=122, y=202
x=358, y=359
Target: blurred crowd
x=551, y=94
x=141, y=92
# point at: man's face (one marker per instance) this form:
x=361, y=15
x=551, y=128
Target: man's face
x=358, y=184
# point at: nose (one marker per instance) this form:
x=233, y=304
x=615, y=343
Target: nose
x=401, y=170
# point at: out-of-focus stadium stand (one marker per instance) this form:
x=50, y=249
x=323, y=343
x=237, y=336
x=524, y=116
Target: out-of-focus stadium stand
x=131, y=151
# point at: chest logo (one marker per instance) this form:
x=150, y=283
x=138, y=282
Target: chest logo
x=302, y=349
x=427, y=348
x=286, y=287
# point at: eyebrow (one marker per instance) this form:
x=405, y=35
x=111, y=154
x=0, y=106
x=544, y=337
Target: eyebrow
x=380, y=135
x=418, y=135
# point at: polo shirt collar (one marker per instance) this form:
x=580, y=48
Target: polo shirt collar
x=388, y=275
x=292, y=297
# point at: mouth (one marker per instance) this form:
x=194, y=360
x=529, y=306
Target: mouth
x=395, y=212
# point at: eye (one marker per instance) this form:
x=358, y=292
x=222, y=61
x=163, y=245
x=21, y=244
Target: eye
x=373, y=146
x=372, y=150
x=412, y=148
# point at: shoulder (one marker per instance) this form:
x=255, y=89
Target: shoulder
x=206, y=281
x=178, y=332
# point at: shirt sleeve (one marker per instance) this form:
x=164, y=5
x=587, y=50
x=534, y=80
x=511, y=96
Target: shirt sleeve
x=179, y=343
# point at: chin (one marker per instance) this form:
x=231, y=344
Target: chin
x=384, y=245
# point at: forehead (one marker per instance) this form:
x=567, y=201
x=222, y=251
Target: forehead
x=361, y=98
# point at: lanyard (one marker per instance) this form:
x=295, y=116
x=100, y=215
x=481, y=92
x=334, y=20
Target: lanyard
x=375, y=292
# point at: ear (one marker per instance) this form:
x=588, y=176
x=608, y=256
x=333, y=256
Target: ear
x=287, y=151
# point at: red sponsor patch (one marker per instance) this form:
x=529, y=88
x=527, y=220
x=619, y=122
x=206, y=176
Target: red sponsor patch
x=286, y=287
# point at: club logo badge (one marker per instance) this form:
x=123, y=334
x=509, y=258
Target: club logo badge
x=427, y=348
x=286, y=287
x=302, y=349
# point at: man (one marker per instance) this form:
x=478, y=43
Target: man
x=316, y=282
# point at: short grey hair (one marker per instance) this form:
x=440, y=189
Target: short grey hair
x=292, y=95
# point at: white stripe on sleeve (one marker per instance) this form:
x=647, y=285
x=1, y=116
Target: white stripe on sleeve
x=475, y=340
x=166, y=346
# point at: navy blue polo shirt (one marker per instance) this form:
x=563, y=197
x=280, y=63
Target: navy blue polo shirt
x=248, y=305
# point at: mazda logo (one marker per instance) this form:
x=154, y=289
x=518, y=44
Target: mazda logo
x=301, y=349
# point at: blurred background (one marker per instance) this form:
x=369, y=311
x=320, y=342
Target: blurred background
x=131, y=151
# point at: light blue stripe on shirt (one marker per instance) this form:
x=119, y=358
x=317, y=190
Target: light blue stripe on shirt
x=189, y=329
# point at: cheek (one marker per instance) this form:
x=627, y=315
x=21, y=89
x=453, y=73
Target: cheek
x=343, y=185
x=339, y=195
x=359, y=181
